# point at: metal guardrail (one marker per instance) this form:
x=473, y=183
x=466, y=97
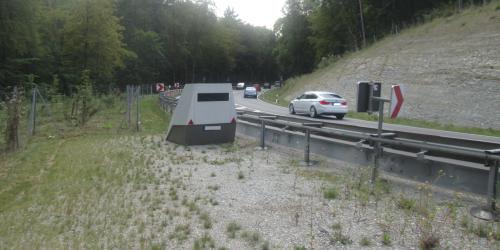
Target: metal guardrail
x=479, y=144
x=388, y=139
x=490, y=157
x=168, y=100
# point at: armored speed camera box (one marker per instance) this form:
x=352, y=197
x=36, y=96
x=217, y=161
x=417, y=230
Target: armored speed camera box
x=205, y=114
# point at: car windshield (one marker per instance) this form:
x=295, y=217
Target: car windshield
x=330, y=95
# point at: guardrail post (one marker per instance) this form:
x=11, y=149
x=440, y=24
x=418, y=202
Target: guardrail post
x=378, y=145
x=262, y=135
x=307, y=147
x=489, y=212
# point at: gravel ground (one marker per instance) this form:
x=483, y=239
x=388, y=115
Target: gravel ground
x=274, y=203
x=450, y=69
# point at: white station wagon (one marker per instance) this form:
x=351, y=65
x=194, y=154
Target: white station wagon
x=315, y=103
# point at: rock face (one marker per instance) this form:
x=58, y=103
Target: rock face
x=450, y=69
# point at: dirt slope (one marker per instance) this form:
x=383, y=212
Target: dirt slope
x=450, y=68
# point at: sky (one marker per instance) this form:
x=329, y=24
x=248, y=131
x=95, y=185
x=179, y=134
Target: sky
x=254, y=12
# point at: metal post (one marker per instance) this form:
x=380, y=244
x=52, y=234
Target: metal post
x=33, y=114
x=129, y=104
x=138, y=97
x=489, y=212
x=262, y=135
x=492, y=191
x=307, y=147
x=378, y=146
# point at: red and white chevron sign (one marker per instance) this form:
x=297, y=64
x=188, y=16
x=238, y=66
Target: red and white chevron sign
x=160, y=87
x=397, y=100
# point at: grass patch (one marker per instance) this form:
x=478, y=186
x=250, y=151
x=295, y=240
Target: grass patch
x=320, y=175
x=205, y=242
x=386, y=239
x=365, y=241
x=180, y=233
x=206, y=220
x=406, y=204
x=274, y=94
x=427, y=124
x=231, y=229
x=330, y=193
x=241, y=175
x=56, y=191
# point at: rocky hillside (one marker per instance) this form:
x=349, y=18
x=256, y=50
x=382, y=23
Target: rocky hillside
x=450, y=68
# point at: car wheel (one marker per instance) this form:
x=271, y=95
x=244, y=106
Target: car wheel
x=312, y=112
x=291, y=109
x=340, y=117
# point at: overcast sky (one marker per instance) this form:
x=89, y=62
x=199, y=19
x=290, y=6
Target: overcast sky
x=255, y=12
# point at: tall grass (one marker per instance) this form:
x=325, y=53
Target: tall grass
x=72, y=189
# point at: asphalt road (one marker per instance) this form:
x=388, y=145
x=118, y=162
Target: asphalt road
x=259, y=105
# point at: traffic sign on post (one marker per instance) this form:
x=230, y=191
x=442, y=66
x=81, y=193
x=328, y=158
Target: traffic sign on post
x=397, y=99
x=160, y=87
x=367, y=90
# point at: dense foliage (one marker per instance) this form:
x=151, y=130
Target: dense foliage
x=129, y=42
x=315, y=30
x=122, y=42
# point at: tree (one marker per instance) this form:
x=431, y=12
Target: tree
x=293, y=49
x=94, y=41
x=19, y=39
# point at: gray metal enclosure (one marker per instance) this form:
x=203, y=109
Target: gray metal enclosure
x=205, y=114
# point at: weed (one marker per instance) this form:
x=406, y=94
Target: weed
x=339, y=237
x=193, y=207
x=330, y=193
x=386, y=239
x=251, y=238
x=482, y=230
x=406, y=204
x=429, y=242
x=158, y=246
x=365, y=241
x=231, y=229
x=337, y=226
x=181, y=232
x=205, y=242
x=299, y=248
x=213, y=202
x=265, y=245
x=241, y=175
x=214, y=187
x=212, y=174
x=207, y=222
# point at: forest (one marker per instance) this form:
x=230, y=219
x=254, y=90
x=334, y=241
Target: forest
x=56, y=43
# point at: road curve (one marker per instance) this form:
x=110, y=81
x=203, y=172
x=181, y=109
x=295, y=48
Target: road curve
x=259, y=105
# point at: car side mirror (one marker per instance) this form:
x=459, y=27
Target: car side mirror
x=298, y=97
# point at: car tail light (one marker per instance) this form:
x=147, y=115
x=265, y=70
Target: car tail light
x=190, y=122
x=324, y=102
x=344, y=103
x=233, y=121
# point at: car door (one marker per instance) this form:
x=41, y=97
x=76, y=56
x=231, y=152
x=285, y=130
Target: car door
x=308, y=102
x=298, y=104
